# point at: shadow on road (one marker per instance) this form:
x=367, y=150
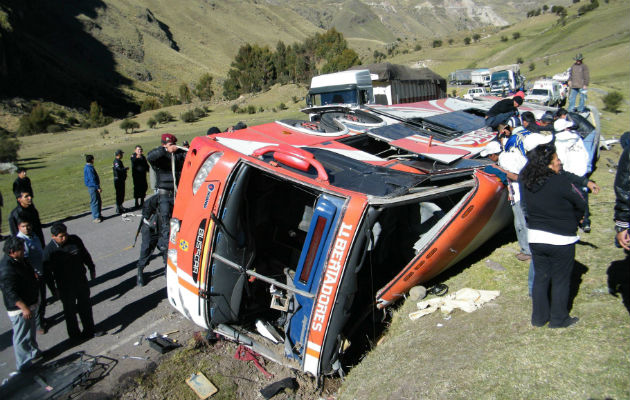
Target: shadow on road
x=619, y=280
x=131, y=312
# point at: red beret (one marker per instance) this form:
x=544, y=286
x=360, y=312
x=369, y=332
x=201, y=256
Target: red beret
x=168, y=138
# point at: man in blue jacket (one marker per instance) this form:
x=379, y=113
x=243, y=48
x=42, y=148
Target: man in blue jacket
x=93, y=183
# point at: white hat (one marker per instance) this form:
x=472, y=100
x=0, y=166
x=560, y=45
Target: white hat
x=534, y=139
x=562, y=124
x=493, y=147
x=519, y=130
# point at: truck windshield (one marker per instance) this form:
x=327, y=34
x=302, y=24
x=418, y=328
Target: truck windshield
x=336, y=97
x=540, y=92
x=500, y=76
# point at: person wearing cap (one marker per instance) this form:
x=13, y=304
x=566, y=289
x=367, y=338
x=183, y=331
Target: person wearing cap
x=492, y=152
x=120, y=176
x=578, y=83
x=139, y=169
x=93, y=183
x=622, y=195
x=502, y=110
x=167, y=161
x=545, y=124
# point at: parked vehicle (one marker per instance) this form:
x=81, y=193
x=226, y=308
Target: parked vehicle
x=506, y=79
x=480, y=77
x=460, y=77
x=547, y=92
x=473, y=93
x=346, y=87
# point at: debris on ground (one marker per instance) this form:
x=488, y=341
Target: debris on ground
x=246, y=354
x=273, y=389
x=201, y=385
x=465, y=299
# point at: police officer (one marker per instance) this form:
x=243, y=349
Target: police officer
x=150, y=228
x=167, y=161
x=120, y=176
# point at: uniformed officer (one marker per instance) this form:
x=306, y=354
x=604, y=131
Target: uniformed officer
x=120, y=176
x=167, y=161
x=150, y=229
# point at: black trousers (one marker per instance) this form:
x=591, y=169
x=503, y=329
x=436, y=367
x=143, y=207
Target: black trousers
x=76, y=299
x=165, y=211
x=553, y=266
x=149, y=242
x=119, y=185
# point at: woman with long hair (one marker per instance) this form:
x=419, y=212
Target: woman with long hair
x=554, y=210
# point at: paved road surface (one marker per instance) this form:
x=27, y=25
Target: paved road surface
x=121, y=308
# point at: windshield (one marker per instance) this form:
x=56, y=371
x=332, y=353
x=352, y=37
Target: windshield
x=500, y=76
x=336, y=97
x=539, y=92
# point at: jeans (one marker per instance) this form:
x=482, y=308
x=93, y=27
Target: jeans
x=95, y=202
x=495, y=120
x=572, y=95
x=589, y=143
x=520, y=226
x=76, y=299
x=24, y=343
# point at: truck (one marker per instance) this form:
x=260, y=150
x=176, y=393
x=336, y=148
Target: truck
x=480, y=77
x=547, y=92
x=460, y=77
x=347, y=87
x=506, y=79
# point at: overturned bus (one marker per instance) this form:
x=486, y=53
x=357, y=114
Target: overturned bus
x=287, y=236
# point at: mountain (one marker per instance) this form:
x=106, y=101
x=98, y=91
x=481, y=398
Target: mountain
x=118, y=51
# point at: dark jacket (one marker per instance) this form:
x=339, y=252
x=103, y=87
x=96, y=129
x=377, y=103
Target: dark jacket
x=67, y=263
x=31, y=215
x=556, y=206
x=22, y=185
x=622, y=191
x=139, y=169
x=120, y=172
x=160, y=160
x=18, y=282
x=502, y=106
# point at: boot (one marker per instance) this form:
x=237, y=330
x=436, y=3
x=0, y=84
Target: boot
x=140, y=280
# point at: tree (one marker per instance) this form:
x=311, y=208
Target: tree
x=188, y=116
x=519, y=60
x=203, y=88
x=516, y=35
x=532, y=66
x=437, y=43
x=128, y=124
x=9, y=146
x=96, y=117
x=341, y=62
x=35, y=122
x=184, y=94
x=163, y=117
x=150, y=103
x=476, y=37
x=612, y=101
x=417, y=47
x=545, y=8
x=504, y=38
x=450, y=41
x=234, y=108
x=466, y=40
x=151, y=123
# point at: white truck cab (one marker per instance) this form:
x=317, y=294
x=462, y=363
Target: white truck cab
x=350, y=88
x=475, y=92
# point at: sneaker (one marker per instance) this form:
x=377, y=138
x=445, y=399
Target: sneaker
x=523, y=257
x=567, y=323
x=97, y=220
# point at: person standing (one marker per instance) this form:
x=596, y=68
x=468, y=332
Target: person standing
x=26, y=211
x=22, y=183
x=150, y=230
x=1, y=205
x=93, y=183
x=120, y=176
x=622, y=195
x=20, y=294
x=578, y=83
x=139, y=169
x=554, y=208
x=167, y=160
x=66, y=257
x=34, y=254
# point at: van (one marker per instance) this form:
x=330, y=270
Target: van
x=475, y=92
x=547, y=92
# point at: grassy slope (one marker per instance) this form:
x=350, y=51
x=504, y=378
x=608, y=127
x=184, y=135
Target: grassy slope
x=494, y=352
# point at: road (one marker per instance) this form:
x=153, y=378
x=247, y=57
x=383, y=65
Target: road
x=120, y=308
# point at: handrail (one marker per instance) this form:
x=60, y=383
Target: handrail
x=301, y=155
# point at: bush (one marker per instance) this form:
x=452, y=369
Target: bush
x=504, y=38
x=476, y=37
x=519, y=60
x=199, y=112
x=163, y=117
x=203, y=88
x=35, y=122
x=188, y=116
x=128, y=124
x=149, y=104
x=9, y=146
x=72, y=120
x=104, y=133
x=532, y=66
x=516, y=35
x=417, y=47
x=612, y=101
x=261, y=109
x=151, y=123
x=54, y=128
x=466, y=40
x=170, y=100
x=282, y=106
x=450, y=41
x=437, y=43
x=234, y=108
x=184, y=94
x=251, y=109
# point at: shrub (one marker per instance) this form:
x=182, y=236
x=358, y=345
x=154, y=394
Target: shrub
x=203, y=88
x=54, y=128
x=150, y=103
x=35, y=122
x=504, y=38
x=417, y=47
x=188, y=116
x=9, y=146
x=170, y=100
x=612, y=101
x=454, y=93
x=261, y=109
x=199, y=112
x=516, y=35
x=466, y=40
x=151, y=123
x=476, y=37
x=104, y=133
x=437, y=43
x=184, y=94
x=251, y=109
x=282, y=106
x=532, y=66
x=234, y=108
x=128, y=124
x=519, y=60
x=72, y=120
x=450, y=41
x=163, y=117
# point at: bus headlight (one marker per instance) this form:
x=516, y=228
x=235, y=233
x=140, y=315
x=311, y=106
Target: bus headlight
x=205, y=169
x=175, y=224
